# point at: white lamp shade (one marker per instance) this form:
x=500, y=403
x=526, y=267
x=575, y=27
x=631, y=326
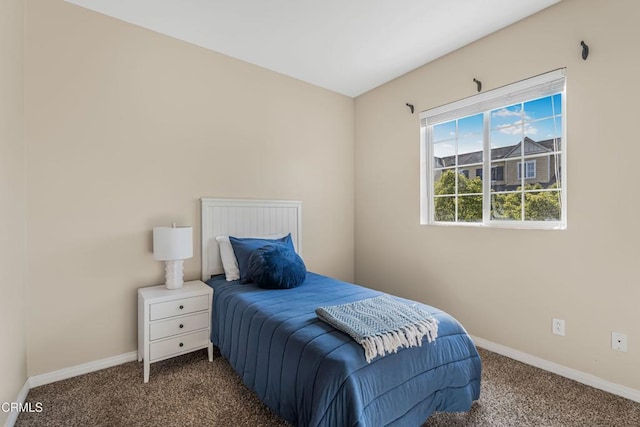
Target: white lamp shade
x=172, y=243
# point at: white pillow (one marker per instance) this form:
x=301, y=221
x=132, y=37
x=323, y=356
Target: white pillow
x=228, y=257
x=229, y=262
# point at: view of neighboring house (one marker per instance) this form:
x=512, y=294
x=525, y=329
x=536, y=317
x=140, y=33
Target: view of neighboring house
x=541, y=164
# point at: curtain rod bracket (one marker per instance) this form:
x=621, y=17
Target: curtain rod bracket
x=585, y=50
x=410, y=107
x=479, y=84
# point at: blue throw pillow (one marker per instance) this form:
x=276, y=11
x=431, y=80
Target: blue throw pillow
x=276, y=267
x=243, y=247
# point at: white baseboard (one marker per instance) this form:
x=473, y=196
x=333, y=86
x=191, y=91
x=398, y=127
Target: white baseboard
x=579, y=376
x=85, y=368
x=22, y=396
x=63, y=374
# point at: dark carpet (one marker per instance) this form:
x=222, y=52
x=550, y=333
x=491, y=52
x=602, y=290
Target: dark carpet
x=190, y=391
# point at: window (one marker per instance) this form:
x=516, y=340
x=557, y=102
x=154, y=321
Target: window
x=497, y=173
x=529, y=169
x=515, y=135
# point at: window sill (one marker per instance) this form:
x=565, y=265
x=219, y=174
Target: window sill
x=518, y=225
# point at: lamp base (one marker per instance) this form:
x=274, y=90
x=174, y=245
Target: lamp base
x=174, y=273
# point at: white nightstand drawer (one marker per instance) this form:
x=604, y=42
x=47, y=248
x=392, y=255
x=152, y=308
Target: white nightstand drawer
x=181, y=344
x=177, y=326
x=180, y=306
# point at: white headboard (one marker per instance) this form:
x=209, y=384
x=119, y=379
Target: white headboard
x=241, y=218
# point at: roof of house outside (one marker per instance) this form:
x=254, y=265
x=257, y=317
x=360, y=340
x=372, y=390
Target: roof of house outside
x=531, y=147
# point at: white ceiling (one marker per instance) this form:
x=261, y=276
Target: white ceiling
x=347, y=46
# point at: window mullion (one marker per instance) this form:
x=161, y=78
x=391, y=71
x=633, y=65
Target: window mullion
x=486, y=166
x=523, y=166
x=455, y=171
x=426, y=197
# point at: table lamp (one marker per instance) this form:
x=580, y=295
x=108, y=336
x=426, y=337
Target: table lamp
x=173, y=245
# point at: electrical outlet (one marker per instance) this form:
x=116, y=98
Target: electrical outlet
x=557, y=327
x=619, y=341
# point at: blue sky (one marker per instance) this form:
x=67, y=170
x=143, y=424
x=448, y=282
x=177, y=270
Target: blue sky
x=535, y=118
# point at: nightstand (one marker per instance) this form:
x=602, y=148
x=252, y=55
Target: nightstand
x=172, y=322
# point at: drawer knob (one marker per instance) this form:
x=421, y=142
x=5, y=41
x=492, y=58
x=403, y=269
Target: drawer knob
x=181, y=326
x=181, y=306
x=181, y=344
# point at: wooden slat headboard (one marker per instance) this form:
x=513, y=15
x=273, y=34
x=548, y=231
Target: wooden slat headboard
x=241, y=218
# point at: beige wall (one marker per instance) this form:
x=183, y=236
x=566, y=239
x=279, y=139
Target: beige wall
x=13, y=350
x=126, y=129
x=506, y=285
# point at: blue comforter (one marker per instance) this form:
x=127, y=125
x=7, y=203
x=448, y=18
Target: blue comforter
x=314, y=375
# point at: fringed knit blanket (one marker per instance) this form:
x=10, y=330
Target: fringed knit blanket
x=381, y=324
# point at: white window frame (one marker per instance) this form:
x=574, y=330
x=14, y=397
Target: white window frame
x=526, y=169
x=536, y=87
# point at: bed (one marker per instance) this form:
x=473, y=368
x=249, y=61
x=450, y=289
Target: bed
x=303, y=369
